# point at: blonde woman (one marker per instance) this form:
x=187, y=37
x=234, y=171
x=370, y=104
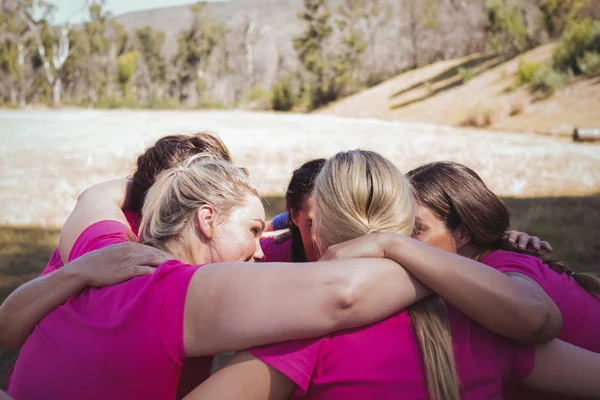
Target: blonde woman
x=429, y=351
x=130, y=340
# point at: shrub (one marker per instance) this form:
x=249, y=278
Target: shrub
x=526, y=71
x=466, y=74
x=480, y=117
x=283, y=97
x=579, y=39
x=589, y=64
x=547, y=81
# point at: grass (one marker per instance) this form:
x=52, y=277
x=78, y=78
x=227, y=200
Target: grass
x=570, y=224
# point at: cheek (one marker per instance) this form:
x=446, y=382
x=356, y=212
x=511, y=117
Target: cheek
x=440, y=238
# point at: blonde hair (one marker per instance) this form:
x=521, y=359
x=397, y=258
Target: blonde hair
x=358, y=192
x=173, y=200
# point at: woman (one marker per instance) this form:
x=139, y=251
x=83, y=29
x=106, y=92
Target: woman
x=166, y=153
x=297, y=245
x=356, y=193
x=457, y=212
x=130, y=340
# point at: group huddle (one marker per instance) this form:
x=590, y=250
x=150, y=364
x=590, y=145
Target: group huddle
x=374, y=285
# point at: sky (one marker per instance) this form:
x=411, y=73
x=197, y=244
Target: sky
x=74, y=10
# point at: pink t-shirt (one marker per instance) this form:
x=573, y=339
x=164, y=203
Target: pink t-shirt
x=383, y=361
x=580, y=310
x=118, y=342
x=276, y=251
x=56, y=262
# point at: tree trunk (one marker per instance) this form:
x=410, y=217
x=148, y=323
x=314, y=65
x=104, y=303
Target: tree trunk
x=56, y=89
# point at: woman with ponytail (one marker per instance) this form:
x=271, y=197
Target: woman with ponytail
x=430, y=351
x=457, y=212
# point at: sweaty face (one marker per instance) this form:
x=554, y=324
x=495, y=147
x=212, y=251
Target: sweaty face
x=237, y=237
x=303, y=219
x=433, y=230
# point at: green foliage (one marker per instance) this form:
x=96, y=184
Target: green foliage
x=283, y=97
x=505, y=27
x=526, y=71
x=589, y=64
x=310, y=46
x=557, y=15
x=547, y=81
x=578, y=39
x=126, y=66
x=150, y=43
x=466, y=74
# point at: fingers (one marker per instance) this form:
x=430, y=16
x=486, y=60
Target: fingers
x=140, y=270
x=523, y=240
x=535, y=243
x=546, y=246
x=511, y=237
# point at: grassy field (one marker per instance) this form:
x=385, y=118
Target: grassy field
x=569, y=224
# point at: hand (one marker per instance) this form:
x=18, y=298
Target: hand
x=117, y=263
x=523, y=241
x=372, y=245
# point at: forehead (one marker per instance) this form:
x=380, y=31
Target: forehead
x=425, y=214
x=252, y=208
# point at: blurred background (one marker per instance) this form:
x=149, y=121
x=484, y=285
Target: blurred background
x=499, y=85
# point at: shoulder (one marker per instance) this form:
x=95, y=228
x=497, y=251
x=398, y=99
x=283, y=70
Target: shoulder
x=99, y=235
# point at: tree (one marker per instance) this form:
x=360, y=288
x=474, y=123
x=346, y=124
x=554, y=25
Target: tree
x=195, y=46
x=506, y=31
x=422, y=16
x=556, y=15
x=310, y=47
x=45, y=35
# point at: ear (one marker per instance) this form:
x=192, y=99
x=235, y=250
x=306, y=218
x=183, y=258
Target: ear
x=462, y=236
x=294, y=216
x=205, y=218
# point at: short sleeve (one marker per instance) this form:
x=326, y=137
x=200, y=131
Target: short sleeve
x=97, y=236
x=280, y=221
x=171, y=287
x=505, y=261
x=523, y=361
x=54, y=264
x=296, y=359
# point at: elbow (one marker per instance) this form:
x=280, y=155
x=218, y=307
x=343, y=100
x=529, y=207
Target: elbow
x=540, y=324
x=342, y=310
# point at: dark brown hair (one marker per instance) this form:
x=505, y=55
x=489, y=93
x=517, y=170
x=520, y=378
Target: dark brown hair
x=457, y=195
x=301, y=185
x=166, y=153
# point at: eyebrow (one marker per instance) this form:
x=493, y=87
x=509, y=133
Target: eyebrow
x=262, y=222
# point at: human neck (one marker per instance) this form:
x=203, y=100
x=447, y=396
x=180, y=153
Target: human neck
x=189, y=250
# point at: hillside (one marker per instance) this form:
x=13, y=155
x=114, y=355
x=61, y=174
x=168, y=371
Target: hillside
x=437, y=94
x=458, y=32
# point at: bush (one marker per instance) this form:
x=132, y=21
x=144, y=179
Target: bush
x=547, y=81
x=579, y=39
x=526, y=71
x=466, y=74
x=589, y=64
x=283, y=97
x=480, y=117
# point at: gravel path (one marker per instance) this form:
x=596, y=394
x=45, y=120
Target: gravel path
x=48, y=157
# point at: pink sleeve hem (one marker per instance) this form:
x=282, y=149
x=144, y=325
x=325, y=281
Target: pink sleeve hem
x=296, y=375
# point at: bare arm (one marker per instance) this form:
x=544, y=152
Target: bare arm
x=31, y=302
x=236, y=306
x=563, y=368
x=512, y=306
x=104, y=201
x=245, y=377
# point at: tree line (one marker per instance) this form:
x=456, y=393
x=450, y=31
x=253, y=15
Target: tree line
x=101, y=64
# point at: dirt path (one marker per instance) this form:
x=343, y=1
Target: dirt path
x=48, y=157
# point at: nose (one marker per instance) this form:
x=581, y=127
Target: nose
x=258, y=254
